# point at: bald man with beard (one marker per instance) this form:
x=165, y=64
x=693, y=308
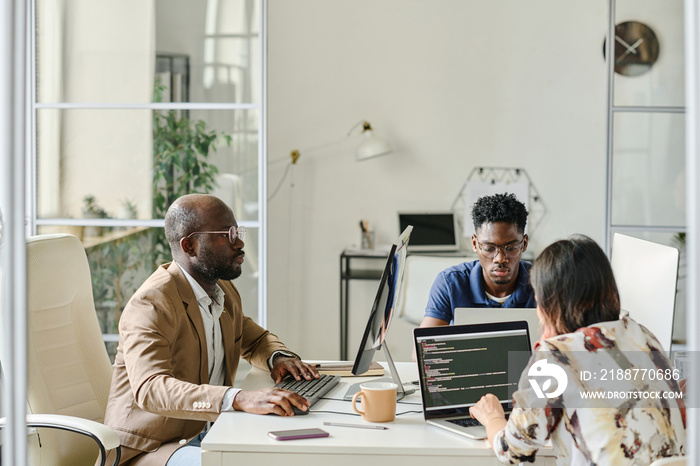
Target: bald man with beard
x=180, y=340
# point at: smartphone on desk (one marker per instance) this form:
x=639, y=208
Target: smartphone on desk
x=297, y=434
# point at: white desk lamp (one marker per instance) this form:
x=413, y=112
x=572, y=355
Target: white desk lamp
x=370, y=147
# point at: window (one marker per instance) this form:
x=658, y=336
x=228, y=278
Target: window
x=136, y=103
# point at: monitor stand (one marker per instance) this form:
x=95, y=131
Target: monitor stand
x=401, y=391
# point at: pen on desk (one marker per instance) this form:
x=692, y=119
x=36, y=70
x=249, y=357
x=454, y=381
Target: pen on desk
x=359, y=426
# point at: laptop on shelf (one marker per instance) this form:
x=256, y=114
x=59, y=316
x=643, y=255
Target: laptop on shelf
x=432, y=231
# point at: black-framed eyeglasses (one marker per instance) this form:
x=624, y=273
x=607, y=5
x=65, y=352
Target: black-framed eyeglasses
x=232, y=233
x=509, y=250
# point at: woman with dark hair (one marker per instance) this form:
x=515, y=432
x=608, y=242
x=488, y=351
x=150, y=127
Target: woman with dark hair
x=598, y=385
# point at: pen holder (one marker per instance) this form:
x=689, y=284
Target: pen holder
x=367, y=240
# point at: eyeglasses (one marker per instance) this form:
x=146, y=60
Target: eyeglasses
x=232, y=233
x=509, y=250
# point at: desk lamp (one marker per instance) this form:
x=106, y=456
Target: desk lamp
x=370, y=147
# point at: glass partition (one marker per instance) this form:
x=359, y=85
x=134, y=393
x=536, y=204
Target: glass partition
x=648, y=172
x=107, y=51
x=138, y=102
x=650, y=45
x=132, y=163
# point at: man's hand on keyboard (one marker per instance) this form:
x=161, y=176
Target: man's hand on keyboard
x=269, y=401
x=294, y=367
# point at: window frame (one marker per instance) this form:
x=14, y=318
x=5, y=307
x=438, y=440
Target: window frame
x=260, y=225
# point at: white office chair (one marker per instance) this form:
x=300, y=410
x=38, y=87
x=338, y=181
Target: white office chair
x=672, y=461
x=646, y=274
x=68, y=368
x=419, y=275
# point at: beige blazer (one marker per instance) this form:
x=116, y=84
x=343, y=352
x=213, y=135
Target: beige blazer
x=159, y=398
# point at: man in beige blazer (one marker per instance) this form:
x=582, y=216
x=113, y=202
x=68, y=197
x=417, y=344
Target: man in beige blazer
x=180, y=339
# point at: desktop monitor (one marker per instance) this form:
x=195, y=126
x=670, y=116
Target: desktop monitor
x=647, y=278
x=385, y=303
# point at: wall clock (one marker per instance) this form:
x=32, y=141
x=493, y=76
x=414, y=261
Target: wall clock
x=636, y=48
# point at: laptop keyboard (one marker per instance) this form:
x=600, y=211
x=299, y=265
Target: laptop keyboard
x=313, y=390
x=465, y=422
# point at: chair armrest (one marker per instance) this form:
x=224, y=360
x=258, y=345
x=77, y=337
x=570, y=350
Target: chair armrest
x=104, y=434
x=105, y=437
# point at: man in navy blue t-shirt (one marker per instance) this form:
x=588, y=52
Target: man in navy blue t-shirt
x=499, y=278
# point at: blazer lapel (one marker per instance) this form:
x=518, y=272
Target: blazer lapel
x=192, y=308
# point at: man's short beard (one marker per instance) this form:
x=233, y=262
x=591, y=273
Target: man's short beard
x=502, y=282
x=212, y=268
x=217, y=272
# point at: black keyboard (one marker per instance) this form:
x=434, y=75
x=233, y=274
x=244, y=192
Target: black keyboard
x=465, y=422
x=312, y=389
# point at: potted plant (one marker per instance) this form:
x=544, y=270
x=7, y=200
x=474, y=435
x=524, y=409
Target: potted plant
x=92, y=210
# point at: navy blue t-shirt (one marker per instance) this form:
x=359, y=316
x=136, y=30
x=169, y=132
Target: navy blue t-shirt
x=463, y=286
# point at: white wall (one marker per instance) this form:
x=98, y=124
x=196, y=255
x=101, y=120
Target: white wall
x=453, y=84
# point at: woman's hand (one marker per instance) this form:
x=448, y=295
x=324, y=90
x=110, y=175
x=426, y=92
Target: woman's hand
x=489, y=412
x=487, y=409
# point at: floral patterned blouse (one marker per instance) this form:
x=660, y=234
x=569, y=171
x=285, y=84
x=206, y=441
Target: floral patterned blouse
x=631, y=429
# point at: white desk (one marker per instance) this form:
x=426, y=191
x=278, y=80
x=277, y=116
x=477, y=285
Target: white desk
x=241, y=438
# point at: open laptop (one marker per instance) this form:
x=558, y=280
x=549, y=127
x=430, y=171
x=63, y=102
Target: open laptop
x=483, y=315
x=432, y=231
x=458, y=364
